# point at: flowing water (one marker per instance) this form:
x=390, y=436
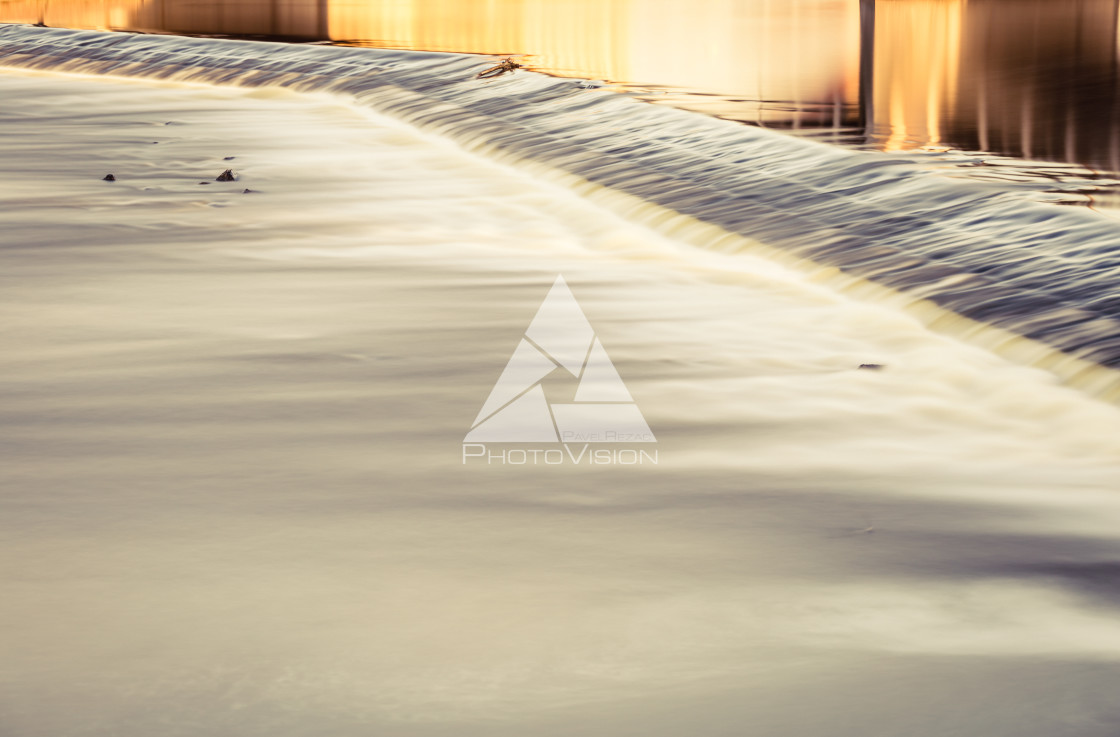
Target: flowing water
x=1023, y=92
x=236, y=501
x=1030, y=281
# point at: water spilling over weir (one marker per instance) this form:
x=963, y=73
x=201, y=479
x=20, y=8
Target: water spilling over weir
x=238, y=496
x=1032, y=282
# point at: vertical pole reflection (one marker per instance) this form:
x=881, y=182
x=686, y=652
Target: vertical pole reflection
x=1114, y=85
x=866, y=66
x=323, y=30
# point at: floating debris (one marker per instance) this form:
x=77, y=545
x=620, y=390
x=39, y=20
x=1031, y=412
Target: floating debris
x=226, y=176
x=108, y=178
x=505, y=65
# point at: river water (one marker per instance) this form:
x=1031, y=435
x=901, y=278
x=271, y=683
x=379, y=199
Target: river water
x=1020, y=81
x=236, y=501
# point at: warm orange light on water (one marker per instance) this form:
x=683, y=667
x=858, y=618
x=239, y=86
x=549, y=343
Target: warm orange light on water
x=919, y=42
x=1027, y=78
x=787, y=63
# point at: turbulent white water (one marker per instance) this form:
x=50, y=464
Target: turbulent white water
x=234, y=502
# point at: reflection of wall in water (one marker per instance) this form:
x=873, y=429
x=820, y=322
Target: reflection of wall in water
x=799, y=60
x=1029, y=78
x=285, y=18
x=583, y=38
x=1045, y=79
x=73, y=14
x=291, y=18
x=789, y=53
x=917, y=45
x=787, y=62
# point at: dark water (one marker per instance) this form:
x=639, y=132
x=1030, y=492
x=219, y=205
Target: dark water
x=1027, y=79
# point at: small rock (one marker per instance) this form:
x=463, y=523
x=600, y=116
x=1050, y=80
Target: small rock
x=871, y=366
x=248, y=191
x=204, y=182
x=226, y=176
x=108, y=178
x=229, y=158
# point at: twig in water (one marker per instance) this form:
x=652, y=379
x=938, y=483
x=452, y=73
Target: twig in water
x=505, y=65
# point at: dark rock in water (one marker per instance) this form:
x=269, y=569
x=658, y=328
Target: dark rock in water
x=226, y=176
x=871, y=366
x=248, y=191
x=204, y=182
x=229, y=158
x=108, y=178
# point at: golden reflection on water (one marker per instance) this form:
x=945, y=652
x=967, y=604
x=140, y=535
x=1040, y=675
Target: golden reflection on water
x=1027, y=78
x=783, y=63
x=792, y=55
x=921, y=38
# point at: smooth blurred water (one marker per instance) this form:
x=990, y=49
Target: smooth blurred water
x=234, y=501
x=234, y=504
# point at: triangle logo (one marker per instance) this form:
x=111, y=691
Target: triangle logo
x=559, y=340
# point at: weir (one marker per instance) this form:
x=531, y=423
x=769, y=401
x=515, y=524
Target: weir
x=1033, y=282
